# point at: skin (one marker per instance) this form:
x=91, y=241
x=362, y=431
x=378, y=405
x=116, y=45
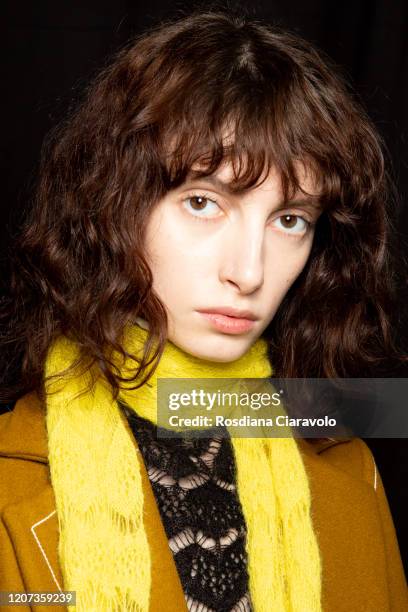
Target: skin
x=226, y=250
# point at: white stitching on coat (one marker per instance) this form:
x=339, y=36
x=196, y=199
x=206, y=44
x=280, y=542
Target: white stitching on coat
x=42, y=549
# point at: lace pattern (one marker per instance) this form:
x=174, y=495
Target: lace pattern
x=193, y=480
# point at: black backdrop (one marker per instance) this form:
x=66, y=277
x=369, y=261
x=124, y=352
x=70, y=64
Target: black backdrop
x=52, y=48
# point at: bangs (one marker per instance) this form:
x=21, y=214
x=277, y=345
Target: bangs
x=254, y=132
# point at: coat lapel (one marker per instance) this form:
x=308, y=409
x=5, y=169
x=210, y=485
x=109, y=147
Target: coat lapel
x=33, y=529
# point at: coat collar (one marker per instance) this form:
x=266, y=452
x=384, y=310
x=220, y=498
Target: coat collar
x=23, y=432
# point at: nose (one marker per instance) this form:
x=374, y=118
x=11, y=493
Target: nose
x=242, y=261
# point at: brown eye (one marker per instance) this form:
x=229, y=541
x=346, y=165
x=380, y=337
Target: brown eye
x=290, y=224
x=198, y=202
x=289, y=221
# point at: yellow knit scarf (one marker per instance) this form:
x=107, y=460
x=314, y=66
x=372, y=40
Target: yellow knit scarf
x=103, y=548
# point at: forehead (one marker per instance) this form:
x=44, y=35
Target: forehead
x=308, y=179
x=238, y=164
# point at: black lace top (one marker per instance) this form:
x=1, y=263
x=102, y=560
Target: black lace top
x=193, y=480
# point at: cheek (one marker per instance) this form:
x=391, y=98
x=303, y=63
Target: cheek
x=282, y=272
x=171, y=267
x=294, y=260
x=294, y=270
x=176, y=257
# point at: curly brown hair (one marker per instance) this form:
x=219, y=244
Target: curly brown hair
x=159, y=107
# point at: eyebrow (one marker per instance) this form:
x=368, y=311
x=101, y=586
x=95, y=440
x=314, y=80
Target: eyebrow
x=312, y=201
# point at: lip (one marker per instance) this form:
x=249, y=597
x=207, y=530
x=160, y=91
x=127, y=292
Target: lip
x=227, y=323
x=230, y=312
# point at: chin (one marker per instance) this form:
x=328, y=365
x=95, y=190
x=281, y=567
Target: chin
x=223, y=348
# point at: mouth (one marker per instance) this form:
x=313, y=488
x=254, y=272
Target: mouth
x=227, y=323
x=230, y=311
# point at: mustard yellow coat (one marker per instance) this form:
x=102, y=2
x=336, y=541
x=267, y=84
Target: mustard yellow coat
x=362, y=568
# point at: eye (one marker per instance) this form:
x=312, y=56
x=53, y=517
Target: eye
x=199, y=205
x=291, y=226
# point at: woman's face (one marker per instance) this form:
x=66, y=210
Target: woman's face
x=209, y=249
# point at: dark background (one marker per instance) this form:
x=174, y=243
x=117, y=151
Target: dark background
x=51, y=49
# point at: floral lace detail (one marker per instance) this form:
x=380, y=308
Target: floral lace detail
x=193, y=480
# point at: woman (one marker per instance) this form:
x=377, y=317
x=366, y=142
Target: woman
x=216, y=207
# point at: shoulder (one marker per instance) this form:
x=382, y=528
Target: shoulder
x=28, y=520
x=356, y=531
x=349, y=455
x=23, y=451
x=354, y=457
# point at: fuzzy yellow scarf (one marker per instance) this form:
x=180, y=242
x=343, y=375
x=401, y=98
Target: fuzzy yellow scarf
x=103, y=549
